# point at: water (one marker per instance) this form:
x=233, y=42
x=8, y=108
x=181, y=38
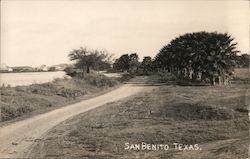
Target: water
x=27, y=78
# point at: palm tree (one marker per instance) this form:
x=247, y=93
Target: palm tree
x=205, y=55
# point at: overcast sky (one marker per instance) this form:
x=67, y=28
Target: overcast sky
x=44, y=32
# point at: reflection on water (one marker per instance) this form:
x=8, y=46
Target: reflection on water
x=27, y=78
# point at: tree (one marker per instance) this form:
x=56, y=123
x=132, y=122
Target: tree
x=243, y=60
x=146, y=64
x=87, y=59
x=133, y=62
x=199, y=56
x=127, y=62
x=122, y=63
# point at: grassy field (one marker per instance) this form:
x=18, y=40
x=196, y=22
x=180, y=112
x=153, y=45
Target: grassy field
x=24, y=101
x=216, y=118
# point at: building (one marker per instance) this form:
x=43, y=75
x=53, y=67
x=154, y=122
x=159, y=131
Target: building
x=23, y=69
x=5, y=68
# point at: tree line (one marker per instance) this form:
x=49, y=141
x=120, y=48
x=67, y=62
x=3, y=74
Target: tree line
x=130, y=63
x=198, y=57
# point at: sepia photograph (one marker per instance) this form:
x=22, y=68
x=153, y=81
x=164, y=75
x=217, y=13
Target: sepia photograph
x=126, y=79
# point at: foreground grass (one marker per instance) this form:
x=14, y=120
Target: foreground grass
x=24, y=101
x=215, y=118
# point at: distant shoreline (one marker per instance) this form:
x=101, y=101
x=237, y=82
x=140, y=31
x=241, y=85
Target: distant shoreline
x=26, y=71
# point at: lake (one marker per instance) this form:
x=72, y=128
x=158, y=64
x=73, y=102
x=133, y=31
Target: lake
x=27, y=78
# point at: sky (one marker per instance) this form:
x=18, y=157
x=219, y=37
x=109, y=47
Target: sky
x=44, y=32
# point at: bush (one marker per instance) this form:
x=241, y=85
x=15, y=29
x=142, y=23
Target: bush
x=242, y=110
x=99, y=80
x=10, y=112
x=66, y=92
x=47, y=89
x=70, y=71
x=166, y=76
x=126, y=77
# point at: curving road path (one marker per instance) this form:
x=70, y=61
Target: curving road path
x=16, y=138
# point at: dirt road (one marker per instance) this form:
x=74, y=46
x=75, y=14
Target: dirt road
x=16, y=138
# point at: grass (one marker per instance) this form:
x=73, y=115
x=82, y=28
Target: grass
x=126, y=77
x=24, y=100
x=242, y=76
x=204, y=115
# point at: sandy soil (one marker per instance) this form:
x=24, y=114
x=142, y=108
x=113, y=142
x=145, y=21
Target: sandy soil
x=17, y=138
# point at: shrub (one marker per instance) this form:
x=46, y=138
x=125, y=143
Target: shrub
x=66, y=92
x=70, y=71
x=9, y=112
x=99, y=80
x=166, y=76
x=126, y=77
